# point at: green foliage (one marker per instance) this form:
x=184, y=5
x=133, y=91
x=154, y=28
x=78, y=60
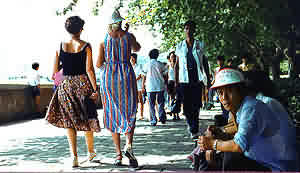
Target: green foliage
x=228, y=27
x=65, y=10
x=284, y=67
x=289, y=95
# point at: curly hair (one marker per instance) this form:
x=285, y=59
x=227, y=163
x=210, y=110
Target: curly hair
x=154, y=53
x=74, y=24
x=35, y=65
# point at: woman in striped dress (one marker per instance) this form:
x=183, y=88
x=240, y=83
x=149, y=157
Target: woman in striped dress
x=118, y=87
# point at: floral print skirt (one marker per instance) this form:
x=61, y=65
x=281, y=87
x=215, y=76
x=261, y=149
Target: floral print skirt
x=66, y=107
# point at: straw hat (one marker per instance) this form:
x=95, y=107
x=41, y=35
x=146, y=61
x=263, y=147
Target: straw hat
x=228, y=76
x=115, y=17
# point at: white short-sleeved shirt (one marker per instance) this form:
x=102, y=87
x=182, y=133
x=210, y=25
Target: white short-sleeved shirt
x=138, y=70
x=154, y=76
x=33, y=78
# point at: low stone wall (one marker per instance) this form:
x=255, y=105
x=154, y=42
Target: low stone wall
x=16, y=101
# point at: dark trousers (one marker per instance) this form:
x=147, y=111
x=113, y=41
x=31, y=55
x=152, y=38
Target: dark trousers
x=211, y=93
x=159, y=96
x=230, y=162
x=238, y=162
x=190, y=95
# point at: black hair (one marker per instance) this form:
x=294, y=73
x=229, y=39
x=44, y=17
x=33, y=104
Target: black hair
x=246, y=56
x=74, y=24
x=190, y=23
x=35, y=65
x=134, y=55
x=221, y=58
x=173, y=52
x=154, y=54
x=229, y=60
x=259, y=81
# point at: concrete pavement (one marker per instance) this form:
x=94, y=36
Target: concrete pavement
x=36, y=146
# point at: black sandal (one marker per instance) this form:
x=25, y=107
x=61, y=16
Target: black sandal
x=133, y=163
x=118, y=160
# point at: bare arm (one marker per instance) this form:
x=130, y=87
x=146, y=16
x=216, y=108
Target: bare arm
x=55, y=66
x=90, y=68
x=100, y=60
x=206, y=143
x=135, y=45
x=143, y=82
x=176, y=70
x=228, y=146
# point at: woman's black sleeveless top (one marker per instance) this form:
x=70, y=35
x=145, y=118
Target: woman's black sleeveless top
x=73, y=63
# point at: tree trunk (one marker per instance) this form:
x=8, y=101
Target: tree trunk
x=292, y=54
x=275, y=69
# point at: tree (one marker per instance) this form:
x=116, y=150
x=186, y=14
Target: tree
x=228, y=27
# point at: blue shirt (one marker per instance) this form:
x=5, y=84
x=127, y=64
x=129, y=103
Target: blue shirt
x=266, y=136
x=197, y=52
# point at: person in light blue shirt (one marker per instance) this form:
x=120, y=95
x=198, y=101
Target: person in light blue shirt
x=193, y=75
x=155, y=86
x=264, y=141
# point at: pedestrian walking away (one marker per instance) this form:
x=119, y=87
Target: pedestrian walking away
x=118, y=87
x=155, y=86
x=73, y=104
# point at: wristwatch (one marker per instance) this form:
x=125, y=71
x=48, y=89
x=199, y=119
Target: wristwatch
x=215, y=145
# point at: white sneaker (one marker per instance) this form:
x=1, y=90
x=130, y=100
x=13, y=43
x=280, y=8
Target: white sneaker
x=75, y=162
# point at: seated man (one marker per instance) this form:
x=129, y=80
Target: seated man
x=264, y=140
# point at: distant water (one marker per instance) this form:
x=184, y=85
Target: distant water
x=21, y=81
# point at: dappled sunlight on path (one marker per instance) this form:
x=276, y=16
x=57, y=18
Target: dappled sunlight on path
x=37, y=146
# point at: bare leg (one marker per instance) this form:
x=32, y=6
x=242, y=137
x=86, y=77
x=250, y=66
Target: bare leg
x=116, y=139
x=89, y=138
x=72, y=138
x=140, y=100
x=129, y=138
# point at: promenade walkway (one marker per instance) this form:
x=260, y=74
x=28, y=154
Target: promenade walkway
x=36, y=146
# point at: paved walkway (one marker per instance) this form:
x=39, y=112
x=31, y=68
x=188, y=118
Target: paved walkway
x=36, y=146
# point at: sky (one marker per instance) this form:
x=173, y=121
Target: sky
x=31, y=32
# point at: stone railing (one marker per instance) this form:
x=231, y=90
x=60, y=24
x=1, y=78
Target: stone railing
x=16, y=101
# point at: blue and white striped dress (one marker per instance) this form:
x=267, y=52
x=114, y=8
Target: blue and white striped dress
x=118, y=87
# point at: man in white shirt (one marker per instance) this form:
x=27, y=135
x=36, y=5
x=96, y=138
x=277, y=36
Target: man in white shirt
x=155, y=86
x=34, y=83
x=193, y=75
